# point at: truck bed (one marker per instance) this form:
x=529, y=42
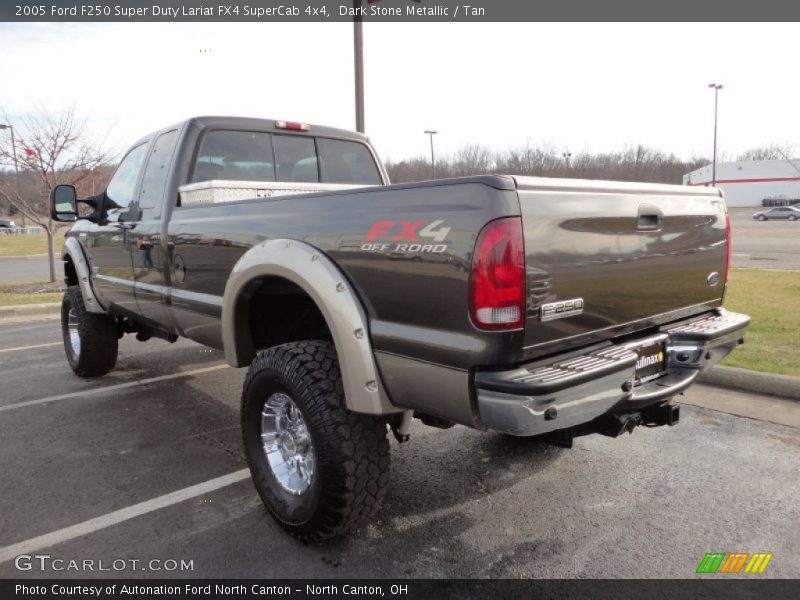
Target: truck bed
x=581, y=241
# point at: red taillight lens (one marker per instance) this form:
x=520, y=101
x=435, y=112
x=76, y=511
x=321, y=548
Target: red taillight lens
x=727, y=246
x=497, y=278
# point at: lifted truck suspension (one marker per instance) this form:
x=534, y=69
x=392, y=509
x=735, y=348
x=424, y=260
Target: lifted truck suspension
x=143, y=332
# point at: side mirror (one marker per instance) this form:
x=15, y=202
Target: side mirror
x=64, y=203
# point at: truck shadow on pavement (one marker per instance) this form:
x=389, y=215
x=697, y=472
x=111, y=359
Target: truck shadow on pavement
x=425, y=514
x=449, y=468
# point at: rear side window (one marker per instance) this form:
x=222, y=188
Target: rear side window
x=296, y=158
x=235, y=155
x=122, y=186
x=259, y=156
x=155, y=174
x=346, y=162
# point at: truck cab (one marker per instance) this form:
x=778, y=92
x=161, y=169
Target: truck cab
x=129, y=243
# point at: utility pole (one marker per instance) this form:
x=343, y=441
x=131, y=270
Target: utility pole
x=716, y=87
x=431, y=133
x=358, y=52
x=567, y=156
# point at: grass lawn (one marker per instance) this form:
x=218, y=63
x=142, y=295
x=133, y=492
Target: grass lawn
x=30, y=293
x=21, y=245
x=772, y=299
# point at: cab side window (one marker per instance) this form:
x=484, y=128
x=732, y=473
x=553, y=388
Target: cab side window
x=122, y=186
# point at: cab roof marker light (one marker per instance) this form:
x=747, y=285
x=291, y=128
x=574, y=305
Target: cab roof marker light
x=292, y=125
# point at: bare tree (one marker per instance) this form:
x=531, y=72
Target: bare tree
x=472, y=159
x=52, y=149
x=771, y=152
x=637, y=163
x=530, y=160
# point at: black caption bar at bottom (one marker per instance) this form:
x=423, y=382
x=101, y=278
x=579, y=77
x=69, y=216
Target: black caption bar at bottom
x=461, y=589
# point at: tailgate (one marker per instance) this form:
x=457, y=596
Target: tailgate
x=609, y=258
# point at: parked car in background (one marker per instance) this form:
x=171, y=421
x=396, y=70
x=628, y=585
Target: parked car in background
x=780, y=212
x=6, y=224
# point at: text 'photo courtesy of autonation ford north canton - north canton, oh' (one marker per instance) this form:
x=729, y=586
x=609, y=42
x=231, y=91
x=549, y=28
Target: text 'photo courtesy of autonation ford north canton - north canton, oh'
x=399, y=298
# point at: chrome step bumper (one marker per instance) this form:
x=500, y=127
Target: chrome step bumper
x=560, y=393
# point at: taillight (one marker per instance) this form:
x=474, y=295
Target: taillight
x=727, y=246
x=497, y=277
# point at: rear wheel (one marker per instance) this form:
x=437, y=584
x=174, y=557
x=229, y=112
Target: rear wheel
x=319, y=468
x=792, y=218
x=90, y=340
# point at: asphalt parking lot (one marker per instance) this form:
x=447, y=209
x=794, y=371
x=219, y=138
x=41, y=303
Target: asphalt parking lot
x=109, y=469
x=764, y=245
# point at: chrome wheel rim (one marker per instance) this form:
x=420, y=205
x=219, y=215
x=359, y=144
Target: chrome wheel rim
x=287, y=444
x=73, y=334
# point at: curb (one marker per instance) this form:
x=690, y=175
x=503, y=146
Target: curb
x=27, y=257
x=769, y=384
x=21, y=310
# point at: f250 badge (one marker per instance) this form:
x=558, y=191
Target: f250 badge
x=560, y=310
x=412, y=237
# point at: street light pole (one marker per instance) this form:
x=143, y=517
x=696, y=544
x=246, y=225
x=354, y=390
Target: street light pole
x=567, y=156
x=431, y=133
x=16, y=163
x=358, y=52
x=717, y=87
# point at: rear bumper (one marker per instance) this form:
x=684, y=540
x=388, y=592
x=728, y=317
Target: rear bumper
x=566, y=391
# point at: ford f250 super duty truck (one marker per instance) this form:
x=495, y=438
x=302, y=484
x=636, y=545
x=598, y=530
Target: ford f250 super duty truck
x=519, y=305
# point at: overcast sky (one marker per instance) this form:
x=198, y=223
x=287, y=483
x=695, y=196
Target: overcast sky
x=576, y=86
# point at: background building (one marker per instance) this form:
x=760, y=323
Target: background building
x=750, y=182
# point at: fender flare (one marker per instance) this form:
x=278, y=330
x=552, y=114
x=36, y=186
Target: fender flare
x=72, y=249
x=312, y=271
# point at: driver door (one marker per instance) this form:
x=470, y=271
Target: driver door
x=110, y=242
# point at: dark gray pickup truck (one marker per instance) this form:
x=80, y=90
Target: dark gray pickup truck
x=520, y=305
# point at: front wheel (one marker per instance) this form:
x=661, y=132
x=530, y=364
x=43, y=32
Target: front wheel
x=319, y=468
x=792, y=218
x=762, y=218
x=90, y=340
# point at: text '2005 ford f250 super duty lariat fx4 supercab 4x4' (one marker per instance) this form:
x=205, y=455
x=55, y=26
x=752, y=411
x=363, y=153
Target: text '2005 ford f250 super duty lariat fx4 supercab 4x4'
x=520, y=305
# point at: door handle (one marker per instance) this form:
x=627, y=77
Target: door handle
x=650, y=218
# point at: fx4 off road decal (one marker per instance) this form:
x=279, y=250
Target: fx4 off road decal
x=407, y=236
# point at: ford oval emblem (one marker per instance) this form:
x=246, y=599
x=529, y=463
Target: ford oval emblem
x=713, y=279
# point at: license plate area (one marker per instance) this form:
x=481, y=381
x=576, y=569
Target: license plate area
x=652, y=362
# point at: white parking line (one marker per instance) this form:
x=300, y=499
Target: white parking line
x=119, y=516
x=112, y=388
x=30, y=347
